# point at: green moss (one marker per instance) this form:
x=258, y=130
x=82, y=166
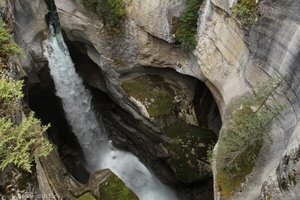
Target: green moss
x=87, y=196
x=162, y=106
x=153, y=92
x=186, y=29
x=114, y=188
x=230, y=179
x=246, y=11
x=189, y=149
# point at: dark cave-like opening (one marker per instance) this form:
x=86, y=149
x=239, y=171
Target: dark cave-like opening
x=206, y=108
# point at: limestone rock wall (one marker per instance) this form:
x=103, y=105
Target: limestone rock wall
x=233, y=59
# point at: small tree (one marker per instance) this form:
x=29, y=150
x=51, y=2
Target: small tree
x=186, y=30
x=246, y=130
x=20, y=143
x=112, y=12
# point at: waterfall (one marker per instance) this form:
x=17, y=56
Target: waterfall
x=204, y=17
x=89, y=130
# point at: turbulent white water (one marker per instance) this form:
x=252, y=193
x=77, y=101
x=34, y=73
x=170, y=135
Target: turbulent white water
x=99, y=152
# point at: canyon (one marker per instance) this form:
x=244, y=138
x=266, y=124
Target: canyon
x=160, y=105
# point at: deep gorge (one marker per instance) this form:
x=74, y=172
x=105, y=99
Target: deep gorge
x=169, y=106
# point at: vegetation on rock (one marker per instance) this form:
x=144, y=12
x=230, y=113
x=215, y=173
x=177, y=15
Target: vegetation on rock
x=246, y=11
x=87, y=196
x=21, y=138
x=186, y=31
x=153, y=92
x=189, y=146
x=7, y=46
x=241, y=139
x=112, y=12
x=114, y=188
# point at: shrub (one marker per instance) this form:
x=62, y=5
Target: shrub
x=243, y=136
x=112, y=12
x=10, y=89
x=246, y=11
x=20, y=143
x=186, y=30
x=20, y=140
x=10, y=93
x=7, y=46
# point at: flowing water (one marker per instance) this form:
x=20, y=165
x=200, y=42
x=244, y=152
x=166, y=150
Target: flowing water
x=89, y=130
x=204, y=16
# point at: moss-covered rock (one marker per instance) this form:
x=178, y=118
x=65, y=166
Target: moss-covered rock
x=87, y=196
x=114, y=188
x=188, y=150
x=153, y=92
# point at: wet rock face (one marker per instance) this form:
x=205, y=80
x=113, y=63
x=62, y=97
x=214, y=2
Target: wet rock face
x=52, y=18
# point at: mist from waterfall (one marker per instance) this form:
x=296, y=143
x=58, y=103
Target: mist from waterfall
x=89, y=130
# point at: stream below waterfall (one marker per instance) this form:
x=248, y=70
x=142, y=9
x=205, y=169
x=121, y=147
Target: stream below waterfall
x=90, y=131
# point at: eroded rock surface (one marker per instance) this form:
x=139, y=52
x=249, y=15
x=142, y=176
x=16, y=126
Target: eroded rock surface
x=229, y=59
x=268, y=49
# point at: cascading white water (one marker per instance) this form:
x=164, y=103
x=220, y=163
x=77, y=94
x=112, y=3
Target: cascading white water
x=204, y=17
x=98, y=150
